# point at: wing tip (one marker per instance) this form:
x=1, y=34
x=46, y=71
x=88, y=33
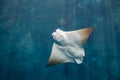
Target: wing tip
x=85, y=33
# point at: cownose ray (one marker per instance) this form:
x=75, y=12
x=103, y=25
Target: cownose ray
x=68, y=46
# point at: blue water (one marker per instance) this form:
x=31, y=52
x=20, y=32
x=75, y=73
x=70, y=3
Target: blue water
x=26, y=42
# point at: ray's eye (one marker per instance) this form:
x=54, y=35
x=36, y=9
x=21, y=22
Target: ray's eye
x=57, y=36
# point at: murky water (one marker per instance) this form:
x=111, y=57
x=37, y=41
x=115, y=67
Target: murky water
x=26, y=42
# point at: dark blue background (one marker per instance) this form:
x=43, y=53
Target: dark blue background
x=26, y=41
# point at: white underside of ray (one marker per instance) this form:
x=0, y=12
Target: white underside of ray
x=70, y=47
x=61, y=53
